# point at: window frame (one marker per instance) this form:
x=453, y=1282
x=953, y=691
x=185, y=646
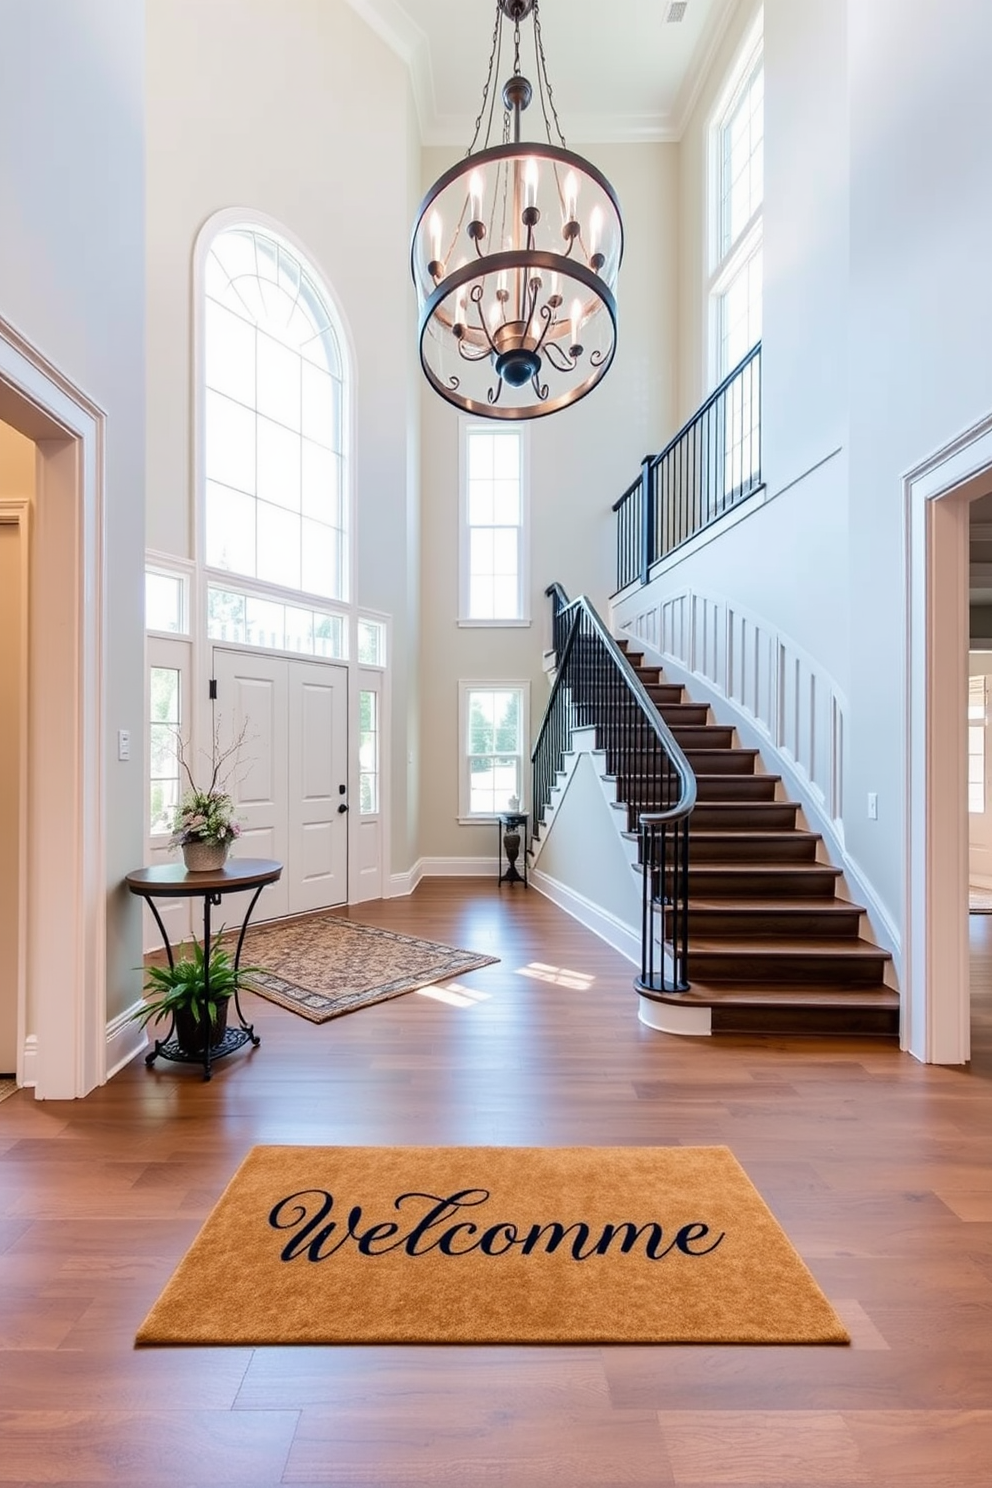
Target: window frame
x=466, y=817
x=221, y=222
x=467, y=428
x=726, y=264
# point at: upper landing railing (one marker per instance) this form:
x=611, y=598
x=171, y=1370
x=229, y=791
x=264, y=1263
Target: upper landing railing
x=711, y=465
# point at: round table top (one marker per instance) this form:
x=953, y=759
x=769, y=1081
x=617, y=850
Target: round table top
x=172, y=880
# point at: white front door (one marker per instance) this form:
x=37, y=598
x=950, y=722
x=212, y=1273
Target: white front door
x=317, y=856
x=293, y=762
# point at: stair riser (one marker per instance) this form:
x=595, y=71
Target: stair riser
x=744, y=848
x=721, y=761
x=684, y=715
x=664, y=693
x=740, y=788
x=710, y=883
x=742, y=967
x=709, y=736
x=829, y=1022
x=763, y=924
x=772, y=816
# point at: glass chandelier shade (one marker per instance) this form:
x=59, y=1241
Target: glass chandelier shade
x=515, y=257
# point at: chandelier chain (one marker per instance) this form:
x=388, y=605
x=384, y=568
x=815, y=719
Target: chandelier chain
x=543, y=81
x=488, y=84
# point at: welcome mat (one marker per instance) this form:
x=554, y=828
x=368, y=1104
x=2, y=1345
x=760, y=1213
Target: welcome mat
x=321, y=966
x=491, y=1245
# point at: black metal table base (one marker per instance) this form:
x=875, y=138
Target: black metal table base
x=234, y=1038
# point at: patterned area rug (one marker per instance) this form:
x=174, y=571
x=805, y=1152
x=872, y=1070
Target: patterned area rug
x=7, y=1087
x=321, y=966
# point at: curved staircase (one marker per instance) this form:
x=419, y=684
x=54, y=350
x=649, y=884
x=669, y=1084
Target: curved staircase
x=772, y=945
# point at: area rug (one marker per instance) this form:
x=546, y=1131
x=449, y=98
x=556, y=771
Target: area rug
x=7, y=1088
x=491, y=1245
x=321, y=966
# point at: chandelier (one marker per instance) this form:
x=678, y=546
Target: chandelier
x=515, y=257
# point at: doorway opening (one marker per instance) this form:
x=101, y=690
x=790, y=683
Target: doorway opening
x=61, y=1023
x=940, y=495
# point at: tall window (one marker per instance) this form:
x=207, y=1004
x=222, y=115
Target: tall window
x=273, y=418
x=494, y=734
x=737, y=196
x=493, y=505
x=368, y=752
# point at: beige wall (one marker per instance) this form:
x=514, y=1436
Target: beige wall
x=297, y=111
x=580, y=460
x=17, y=457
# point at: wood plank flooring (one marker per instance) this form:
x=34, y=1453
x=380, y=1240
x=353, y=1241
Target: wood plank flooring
x=879, y=1169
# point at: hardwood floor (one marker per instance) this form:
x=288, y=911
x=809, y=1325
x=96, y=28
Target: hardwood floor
x=878, y=1168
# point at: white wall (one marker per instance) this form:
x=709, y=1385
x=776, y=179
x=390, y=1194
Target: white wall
x=72, y=275
x=581, y=461
x=878, y=320
x=920, y=331
x=300, y=112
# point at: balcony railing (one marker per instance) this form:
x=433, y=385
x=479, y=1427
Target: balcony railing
x=711, y=466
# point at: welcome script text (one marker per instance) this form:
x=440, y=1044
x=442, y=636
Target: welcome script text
x=421, y=1230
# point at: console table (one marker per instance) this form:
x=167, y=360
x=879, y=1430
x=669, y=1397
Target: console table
x=516, y=822
x=173, y=881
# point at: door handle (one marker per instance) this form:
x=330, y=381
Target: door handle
x=341, y=808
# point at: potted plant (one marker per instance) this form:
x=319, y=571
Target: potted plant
x=196, y=1004
x=204, y=825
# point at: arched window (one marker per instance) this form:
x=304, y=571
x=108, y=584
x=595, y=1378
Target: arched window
x=274, y=389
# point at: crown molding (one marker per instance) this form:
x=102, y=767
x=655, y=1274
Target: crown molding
x=403, y=36
x=705, y=55
x=591, y=129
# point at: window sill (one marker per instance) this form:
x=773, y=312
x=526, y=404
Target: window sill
x=485, y=821
x=494, y=624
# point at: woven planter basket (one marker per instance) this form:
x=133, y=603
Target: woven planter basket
x=204, y=857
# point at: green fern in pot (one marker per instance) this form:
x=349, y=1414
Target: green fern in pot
x=182, y=992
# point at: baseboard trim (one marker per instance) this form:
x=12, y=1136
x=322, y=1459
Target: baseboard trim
x=401, y=884
x=124, y=1039
x=459, y=867
x=666, y=1017
x=621, y=937
x=29, y=1068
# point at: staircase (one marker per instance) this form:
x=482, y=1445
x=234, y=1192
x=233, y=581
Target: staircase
x=772, y=946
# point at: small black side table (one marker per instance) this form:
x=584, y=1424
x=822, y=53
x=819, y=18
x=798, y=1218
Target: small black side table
x=173, y=881
x=512, y=821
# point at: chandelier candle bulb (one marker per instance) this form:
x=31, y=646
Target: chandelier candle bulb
x=576, y=326
x=571, y=197
x=493, y=334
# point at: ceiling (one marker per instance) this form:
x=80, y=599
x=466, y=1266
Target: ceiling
x=620, y=71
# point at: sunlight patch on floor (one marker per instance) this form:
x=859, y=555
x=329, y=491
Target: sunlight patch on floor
x=559, y=975
x=455, y=995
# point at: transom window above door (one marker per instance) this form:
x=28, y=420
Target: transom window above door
x=274, y=395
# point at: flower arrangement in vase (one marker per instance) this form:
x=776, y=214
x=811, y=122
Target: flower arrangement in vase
x=205, y=825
